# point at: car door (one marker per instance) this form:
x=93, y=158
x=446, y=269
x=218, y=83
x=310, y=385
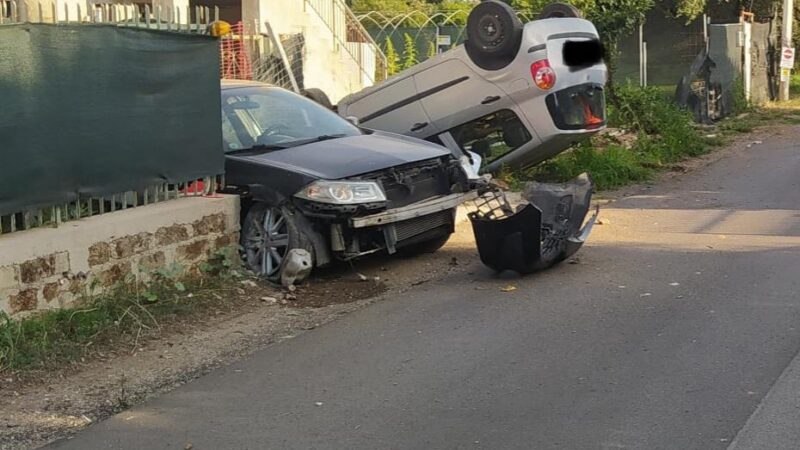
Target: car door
x=452, y=94
x=394, y=108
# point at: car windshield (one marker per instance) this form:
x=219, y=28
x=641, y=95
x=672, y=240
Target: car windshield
x=274, y=118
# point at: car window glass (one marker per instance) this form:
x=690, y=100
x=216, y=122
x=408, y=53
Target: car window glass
x=493, y=135
x=271, y=116
x=229, y=135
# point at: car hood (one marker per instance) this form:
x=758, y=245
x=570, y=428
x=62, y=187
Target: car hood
x=351, y=156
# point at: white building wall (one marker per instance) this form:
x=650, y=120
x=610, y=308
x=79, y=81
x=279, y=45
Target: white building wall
x=327, y=65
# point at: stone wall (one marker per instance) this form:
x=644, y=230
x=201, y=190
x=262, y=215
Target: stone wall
x=51, y=267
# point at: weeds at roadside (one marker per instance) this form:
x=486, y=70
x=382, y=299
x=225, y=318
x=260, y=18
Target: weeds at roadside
x=118, y=319
x=122, y=397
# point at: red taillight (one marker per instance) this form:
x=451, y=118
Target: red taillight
x=543, y=75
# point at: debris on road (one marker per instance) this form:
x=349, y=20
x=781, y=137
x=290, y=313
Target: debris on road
x=297, y=267
x=509, y=288
x=754, y=143
x=537, y=234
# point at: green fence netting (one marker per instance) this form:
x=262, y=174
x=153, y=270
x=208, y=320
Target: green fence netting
x=92, y=110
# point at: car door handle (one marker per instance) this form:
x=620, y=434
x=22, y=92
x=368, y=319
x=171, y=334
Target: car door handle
x=419, y=126
x=490, y=99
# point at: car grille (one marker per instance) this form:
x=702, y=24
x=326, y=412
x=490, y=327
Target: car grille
x=418, y=225
x=412, y=183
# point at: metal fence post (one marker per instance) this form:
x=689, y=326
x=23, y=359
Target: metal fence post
x=282, y=52
x=641, y=55
x=644, y=65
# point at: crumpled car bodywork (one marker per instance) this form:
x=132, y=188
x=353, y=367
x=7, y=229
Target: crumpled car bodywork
x=539, y=233
x=291, y=223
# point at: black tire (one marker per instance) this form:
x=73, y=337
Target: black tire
x=555, y=10
x=253, y=228
x=429, y=246
x=319, y=96
x=493, y=33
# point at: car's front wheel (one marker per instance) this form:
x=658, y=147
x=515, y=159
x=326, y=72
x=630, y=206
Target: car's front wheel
x=269, y=233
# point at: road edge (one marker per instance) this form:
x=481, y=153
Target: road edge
x=775, y=423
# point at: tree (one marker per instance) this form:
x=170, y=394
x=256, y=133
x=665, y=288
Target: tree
x=392, y=58
x=409, y=52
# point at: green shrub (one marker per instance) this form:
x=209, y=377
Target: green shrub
x=392, y=58
x=740, y=104
x=124, y=315
x=409, y=52
x=610, y=167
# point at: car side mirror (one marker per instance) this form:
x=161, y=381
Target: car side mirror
x=353, y=119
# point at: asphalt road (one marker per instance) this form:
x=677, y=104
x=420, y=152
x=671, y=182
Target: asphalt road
x=681, y=319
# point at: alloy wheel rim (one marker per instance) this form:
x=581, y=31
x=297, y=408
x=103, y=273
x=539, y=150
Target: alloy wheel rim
x=268, y=242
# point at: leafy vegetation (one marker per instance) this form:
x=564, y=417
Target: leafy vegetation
x=662, y=134
x=409, y=52
x=392, y=58
x=431, y=49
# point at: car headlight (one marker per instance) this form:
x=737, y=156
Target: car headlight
x=342, y=192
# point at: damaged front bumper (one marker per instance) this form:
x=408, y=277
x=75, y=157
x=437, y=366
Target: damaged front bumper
x=396, y=227
x=544, y=231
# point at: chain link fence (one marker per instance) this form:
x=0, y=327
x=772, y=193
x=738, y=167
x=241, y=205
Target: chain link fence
x=408, y=38
x=248, y=54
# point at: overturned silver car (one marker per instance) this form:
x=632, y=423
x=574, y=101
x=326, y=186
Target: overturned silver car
x=514, y=94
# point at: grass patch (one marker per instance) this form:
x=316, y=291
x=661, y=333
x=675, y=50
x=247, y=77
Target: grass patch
x=612, y=167
x=120, y=318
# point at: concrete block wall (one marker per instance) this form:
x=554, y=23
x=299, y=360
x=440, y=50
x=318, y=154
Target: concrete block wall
x=49, y=268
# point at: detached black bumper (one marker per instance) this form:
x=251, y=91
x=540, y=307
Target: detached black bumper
x=538, y=234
